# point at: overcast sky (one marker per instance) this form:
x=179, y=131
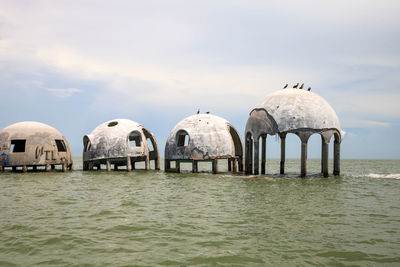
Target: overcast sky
x=76, y=64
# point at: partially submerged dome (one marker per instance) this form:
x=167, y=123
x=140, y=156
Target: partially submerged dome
x=120, y=142
x=32, y=144
x=296, y=111
x=203, y=137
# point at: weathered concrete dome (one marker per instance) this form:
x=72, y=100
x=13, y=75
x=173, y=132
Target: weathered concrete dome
x=32, y=144
x=209, y=136
x=119, y=140
x=203, y=137
x=292, y=109
x=295, y=111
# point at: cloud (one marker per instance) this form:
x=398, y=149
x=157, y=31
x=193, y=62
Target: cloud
x=63, y=93
x=349, y=123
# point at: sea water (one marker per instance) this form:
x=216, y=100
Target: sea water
x=153, y=218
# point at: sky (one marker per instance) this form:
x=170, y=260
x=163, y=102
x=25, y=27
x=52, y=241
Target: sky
x=76, y=64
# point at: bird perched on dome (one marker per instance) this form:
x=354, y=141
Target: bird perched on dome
x=301, y=87
x=285, y=86
x=295, y=86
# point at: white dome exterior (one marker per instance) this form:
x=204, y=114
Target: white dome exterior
x=299, y=109
x=209, y=137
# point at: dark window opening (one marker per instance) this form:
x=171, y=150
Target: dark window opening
x=135, y=139
x=183, y=138
x=112, y=124
x=17, y=146
x=61, y=146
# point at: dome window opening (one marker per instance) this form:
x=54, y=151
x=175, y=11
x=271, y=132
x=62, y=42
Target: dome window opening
x=61, y=146
x=17, y=146
x=183, y=138
x=112, y=124
x=135, y=139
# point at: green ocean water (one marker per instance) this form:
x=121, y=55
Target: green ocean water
x=155, y=219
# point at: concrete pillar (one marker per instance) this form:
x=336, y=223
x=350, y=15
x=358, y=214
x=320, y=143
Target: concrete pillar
x=234, y=161
x=115, y=167
x=157, y=163
x=303, y=171
x=283, y=152
x=64, y=167
x=247, y=156
x=240, y=163
x=325, y=158
x=128, y=164
x=53, y=167
x=167, y=165
x=1, y=169
x=24, y=168
x=256, y=156
x=195, y=166
x=14, y=169
x=229, y=165
x=133, y=165
x=99, y=166
x=47, y=169
x=34, y=168
x=263, y=153
x=215, y=166
x=147, y=162
x=336, y=158
x=178, y=165
x=108, y=166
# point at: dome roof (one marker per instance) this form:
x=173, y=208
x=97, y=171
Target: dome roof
x=298, y=109
x=27, y=128
x=210, y=136
x=113, y=130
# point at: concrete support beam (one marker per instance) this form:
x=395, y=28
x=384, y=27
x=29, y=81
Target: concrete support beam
x=325, y=158
x=157, y=163
x=336, y=158
x=128, y=164
x=303, y=171
x=47, y=168
x=195, y=166
x=215, y=166
x=256, y=156
x=240, y=163
x=115, y=167
x=34, y=168
x=147, y=163
x=283, y=152
x=1, y=169
x=24, y=169
x=263, y=153
x=167, y=165
x=64, y=167
x=229, y=165
x=53, y=167
x=178, y=165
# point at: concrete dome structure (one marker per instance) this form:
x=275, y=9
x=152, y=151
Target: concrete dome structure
x=120, y=142
x=292, y=111
x=33, y=144
x=204, y=137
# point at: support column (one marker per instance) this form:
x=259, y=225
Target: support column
x=34, y=168
x=325, y=158
x=263, y=153
x=229, y=165
x=1, y=169
x=256, y=156
x=167, y=165
x=53, y=167
x=247, y=156
x=64, y=167
x=283, y=152
x=240, y=163
x=303, y=171
x=24, y=168
x=157, y=163
x=336, y=158
x=147, y=163
x=47, y=169
x=128, y=164
x=14, y=169
x=133, y=164
x=115, y=167
x=108, y=166
x=195, y=166
x=215, y=166
x=234, y=161
x=178, y=165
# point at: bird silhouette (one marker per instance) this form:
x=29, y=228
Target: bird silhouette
x=198, y=111
x=296, y=85
x=309, y=89
x=208, y=112
x=301, y=87
x=285, y=86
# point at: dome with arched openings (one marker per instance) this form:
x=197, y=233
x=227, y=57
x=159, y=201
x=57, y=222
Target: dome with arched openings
x=119, y=140
x=203, y=137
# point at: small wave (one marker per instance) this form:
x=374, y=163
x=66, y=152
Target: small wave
x=390, y=176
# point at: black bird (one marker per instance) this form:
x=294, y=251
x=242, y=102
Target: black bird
x=309, y=89
x=285, y=86
x=295, y=86
x=198, y=111
x=301, y=87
